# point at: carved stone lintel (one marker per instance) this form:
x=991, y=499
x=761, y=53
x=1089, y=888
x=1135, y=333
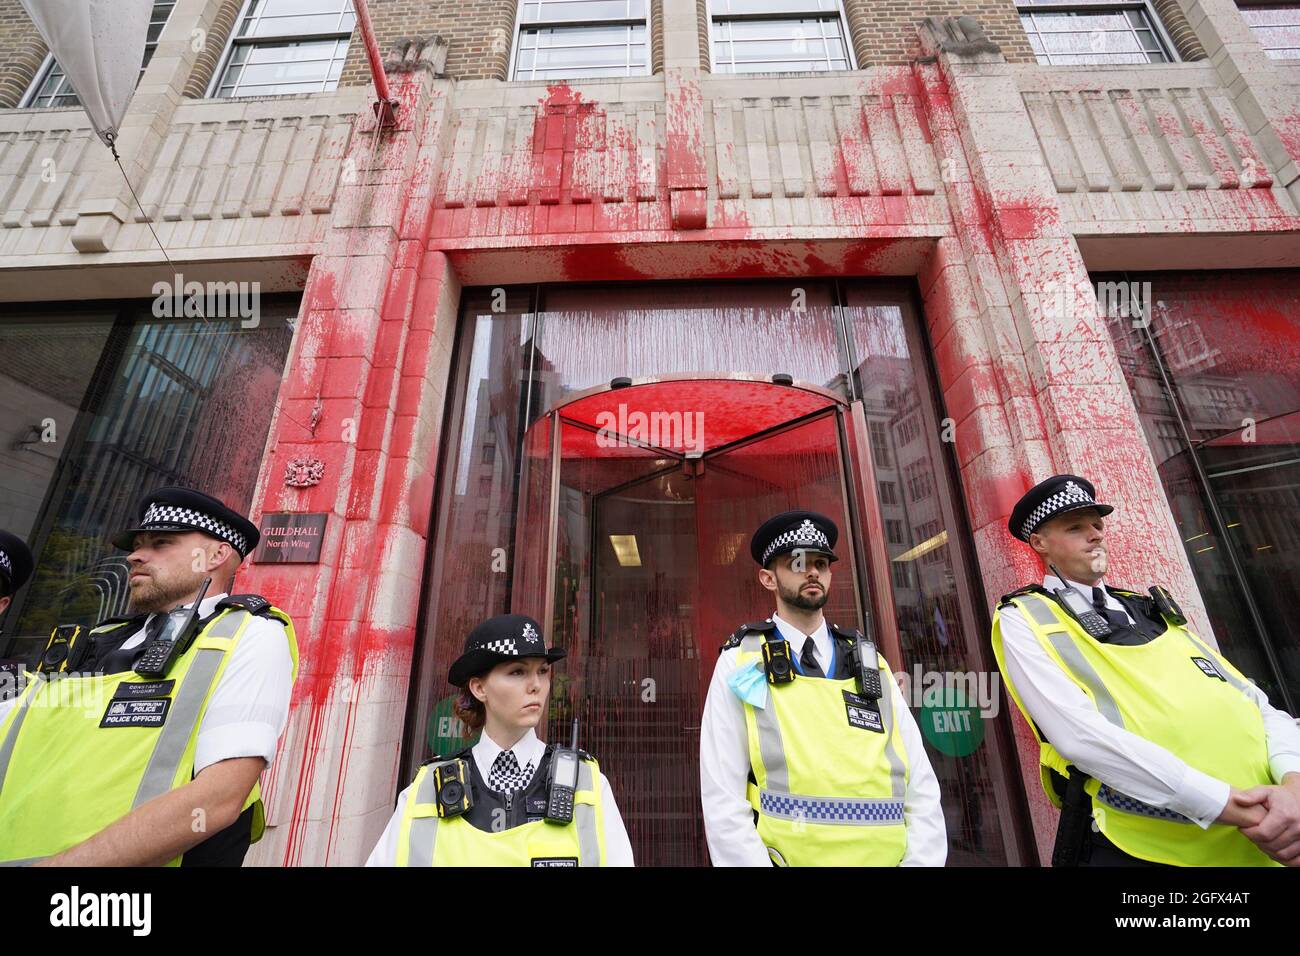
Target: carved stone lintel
x=410, y=54
x=960, y=36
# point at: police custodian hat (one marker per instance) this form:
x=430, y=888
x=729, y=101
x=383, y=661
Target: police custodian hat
x=16, y=562
x=1047, y=499
x=501, y=638
x=794, y=531
x=184, y=509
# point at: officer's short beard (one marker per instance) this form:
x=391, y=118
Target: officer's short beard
x=153, y=595
x=796, y=597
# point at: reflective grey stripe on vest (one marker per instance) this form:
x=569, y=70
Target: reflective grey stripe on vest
x=183, y=718
x=11, y=738
x=1045, y=617
x=423, y=835
x=584, y=818
x=770, y=746
x=1230, y=678
x=27, y=862
x=897, y=772
x=839, y=811
x=424, y=830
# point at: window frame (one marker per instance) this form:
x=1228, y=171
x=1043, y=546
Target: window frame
x=48, y=64
x=1108, y=6
x=233, y=41
x=513, y=66
x=1244, y=5
x=840, y=11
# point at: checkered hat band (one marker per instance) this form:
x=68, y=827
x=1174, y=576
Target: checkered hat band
x=851, y=811
x=806, y=535
x=6, y=565
x=1067, y=499
x=162, y=515
x=1119, y=801
x=504, y=645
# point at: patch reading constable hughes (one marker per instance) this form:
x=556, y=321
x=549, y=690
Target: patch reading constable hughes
x=501, y=638
x=16, y=564
x=794, y=531
x=183, y=509
x=1049, y=498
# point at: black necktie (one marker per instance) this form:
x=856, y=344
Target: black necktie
x=119, y=660
x=1116, y=619
x=808, y=659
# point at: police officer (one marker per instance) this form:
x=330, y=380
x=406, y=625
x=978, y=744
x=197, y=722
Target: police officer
x=148, y=747
x=510, y=799
x=1159, y=749
x=16, y=567
x=805, y=758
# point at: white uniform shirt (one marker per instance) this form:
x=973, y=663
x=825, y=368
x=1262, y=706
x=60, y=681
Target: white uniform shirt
x=618, y=848
x=250, y=704
x=724, y=769
x=1120, y=758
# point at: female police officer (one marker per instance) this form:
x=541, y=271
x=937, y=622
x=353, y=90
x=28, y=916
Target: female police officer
x=509, y=800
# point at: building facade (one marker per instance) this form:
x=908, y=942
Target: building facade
x=624, y=277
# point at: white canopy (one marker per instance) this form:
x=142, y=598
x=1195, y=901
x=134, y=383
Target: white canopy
x=100, y=45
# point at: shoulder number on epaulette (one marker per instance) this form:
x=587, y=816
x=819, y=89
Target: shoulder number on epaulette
x=1027, y=589
x=252, y=603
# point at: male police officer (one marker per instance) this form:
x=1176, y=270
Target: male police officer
x=807, y=758
x=142, y=743
x=1171, y=751
x=15, y=567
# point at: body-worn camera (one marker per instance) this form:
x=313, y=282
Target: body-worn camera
x=777, y=662
x=1166, y=605
x=454, y=795
x=65, y=650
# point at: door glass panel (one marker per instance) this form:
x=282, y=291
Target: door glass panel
x=937, y=630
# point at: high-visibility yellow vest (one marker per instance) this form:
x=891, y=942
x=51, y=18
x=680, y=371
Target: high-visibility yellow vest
x=78, y=752
x=426, y=840
x=1173, y=691
x=827, y=793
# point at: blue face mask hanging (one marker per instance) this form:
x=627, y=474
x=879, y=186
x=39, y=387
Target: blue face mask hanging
x=749, y=683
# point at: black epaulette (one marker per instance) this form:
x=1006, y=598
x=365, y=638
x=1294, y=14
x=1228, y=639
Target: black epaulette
x=252, y=603
x=1027, y=589
x=459, y=754
x=850, y=634
x=121, y=619
x=762, y=627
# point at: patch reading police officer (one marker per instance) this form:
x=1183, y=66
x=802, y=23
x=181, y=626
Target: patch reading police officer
x=863, y=713
x=136, y=713
x=132, y=690
x=1208, y=668
x=547, y=861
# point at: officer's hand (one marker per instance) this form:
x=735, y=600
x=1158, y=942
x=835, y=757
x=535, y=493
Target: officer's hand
x=1278, y=834
x=1245, y=808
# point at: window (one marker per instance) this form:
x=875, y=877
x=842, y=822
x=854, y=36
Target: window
x=51, y=87
x=894, y=530
x=282, y=47
x=1063, y=33
x=908, y=429
x=778, y=36
x=888, y=493
x=902, y=576
x=582, y=38
x=489, y=454
x=127, y=402
x=1277, y=28
x=879, y=443
x=917, y=476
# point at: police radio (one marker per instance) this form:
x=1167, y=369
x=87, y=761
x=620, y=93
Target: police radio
x=563, y=782
x=777, y=662
x=866, y=666
x=1080, y=608
x=454, y=795
x=65, y=649
x=177, y=633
